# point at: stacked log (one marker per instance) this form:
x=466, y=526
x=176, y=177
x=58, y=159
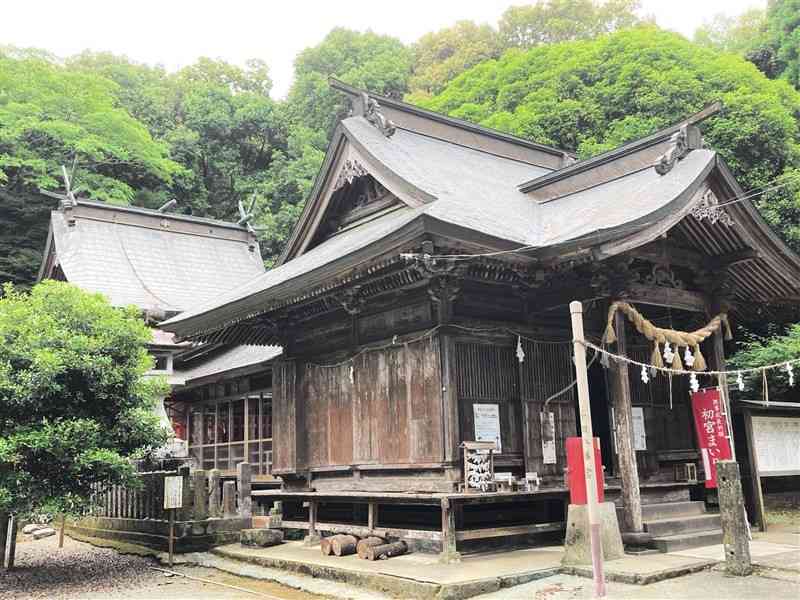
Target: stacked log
x=385, y=551
x=343, y=544
x=325, y=546
x=361, y=548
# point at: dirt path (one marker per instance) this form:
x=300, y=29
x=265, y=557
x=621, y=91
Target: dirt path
x=81, y=570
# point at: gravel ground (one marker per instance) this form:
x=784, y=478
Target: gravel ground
x=84, y=571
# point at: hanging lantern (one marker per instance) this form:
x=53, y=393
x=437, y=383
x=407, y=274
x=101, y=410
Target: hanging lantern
x=668, y=353
x=520, y=351
x=688, y=358
x=790, y=372
x=693, y=383
x=740, y=381
x=645, y=376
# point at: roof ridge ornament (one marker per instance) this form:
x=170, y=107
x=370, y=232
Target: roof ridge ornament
x=370, y=110
x=683, y=141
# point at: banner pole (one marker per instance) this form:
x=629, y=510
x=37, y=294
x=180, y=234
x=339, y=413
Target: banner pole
x=587, y=437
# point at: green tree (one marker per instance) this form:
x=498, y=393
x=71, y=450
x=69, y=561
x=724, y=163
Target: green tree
x=379, y=63
x=74, y=405
x=24, y=219
x=783, y=38
x=757, y=351
x=740, y=34
x=594, y=95
x=550, y=21
x=441, y=55
x=50, y=116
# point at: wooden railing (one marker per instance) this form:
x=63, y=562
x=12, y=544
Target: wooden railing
x=204, y=496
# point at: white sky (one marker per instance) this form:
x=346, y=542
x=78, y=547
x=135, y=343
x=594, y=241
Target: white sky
x=176, y=32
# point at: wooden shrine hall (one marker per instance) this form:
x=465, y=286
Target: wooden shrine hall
x=422, y=307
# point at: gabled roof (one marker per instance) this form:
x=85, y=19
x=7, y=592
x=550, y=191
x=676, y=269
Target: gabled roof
x=599, y=207
x=162, y=263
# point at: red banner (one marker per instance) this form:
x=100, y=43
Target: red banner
x=712, y=431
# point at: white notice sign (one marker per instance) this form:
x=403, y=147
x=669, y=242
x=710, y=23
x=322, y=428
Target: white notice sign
x=639, y=435
x=548, y=422
x=777, y=440
x=487, y=423
x=173, y=492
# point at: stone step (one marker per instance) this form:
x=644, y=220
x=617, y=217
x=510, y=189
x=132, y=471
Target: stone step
x=685, y=524
x=682, y=541
x=666, y=510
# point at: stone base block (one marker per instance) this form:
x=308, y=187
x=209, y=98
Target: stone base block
x=43, y=533
x=577, y=545
x=311, y=540
x=449, y=558
x=261, y=537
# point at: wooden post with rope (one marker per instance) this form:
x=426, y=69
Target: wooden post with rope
x=623, y=431
x=587, y=437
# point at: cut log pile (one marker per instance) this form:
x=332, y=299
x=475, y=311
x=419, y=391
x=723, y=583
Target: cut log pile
x=369, y=548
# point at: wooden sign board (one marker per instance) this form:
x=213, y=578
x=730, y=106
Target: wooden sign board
x=487, y=423
x=173, y=492
x=776, y=445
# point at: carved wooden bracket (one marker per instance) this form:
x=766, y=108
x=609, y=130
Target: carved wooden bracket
x=370, y=110
x=684, y=140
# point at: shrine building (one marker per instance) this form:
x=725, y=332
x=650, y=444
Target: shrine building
x=422, y=304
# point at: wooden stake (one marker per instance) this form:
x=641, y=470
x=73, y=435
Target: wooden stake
x=576, y=312
x=734, y=523
x=61, y=533
x=171, y=534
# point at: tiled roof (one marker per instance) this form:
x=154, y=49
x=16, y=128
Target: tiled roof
x=235, y=357
x=157, y=262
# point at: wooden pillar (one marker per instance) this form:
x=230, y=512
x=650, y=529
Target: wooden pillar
x=214, y=491
x=11, y=543
x=623, y=427
x=755, y=474
x=244, y=485
x=313, y=535
x=719, y=363
x=200, y=496
x=732, y=514
x=372, y=516
x=450, y=552
x=4, y=519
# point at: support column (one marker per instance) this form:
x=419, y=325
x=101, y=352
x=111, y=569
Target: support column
x=450, y=552
x=719, y=364
x=372, y=516
x=623, y=426
x=313, y=535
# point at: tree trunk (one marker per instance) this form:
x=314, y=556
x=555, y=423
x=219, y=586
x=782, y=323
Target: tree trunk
x=342, y=545
x=367, y=543
x=386, y=551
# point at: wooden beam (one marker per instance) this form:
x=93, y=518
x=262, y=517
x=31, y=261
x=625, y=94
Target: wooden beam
x=733, y=258
x=665, y=296
x=492, y=532
x=623, y=426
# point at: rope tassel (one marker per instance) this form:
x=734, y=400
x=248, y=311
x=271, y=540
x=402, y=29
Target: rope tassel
x=610, y=336
x=699, y=360
x=656, y=359
x=676, y=362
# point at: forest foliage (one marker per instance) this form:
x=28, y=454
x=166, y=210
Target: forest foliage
x=582, y=74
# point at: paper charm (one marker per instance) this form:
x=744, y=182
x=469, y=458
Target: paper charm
x=688, y=358
x=740, y=381
x=693, y=383
x=790, y=372
x=645, y=376
x=520, y=351
x=604, y=360
x=668, y=353
x=352, y=374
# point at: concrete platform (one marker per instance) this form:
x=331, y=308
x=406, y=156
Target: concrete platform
x=420, y=575
x=415, y=575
